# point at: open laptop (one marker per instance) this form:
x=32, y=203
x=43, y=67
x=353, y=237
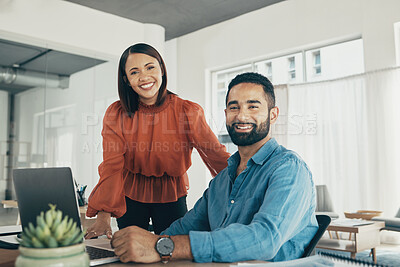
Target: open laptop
x=36, y=188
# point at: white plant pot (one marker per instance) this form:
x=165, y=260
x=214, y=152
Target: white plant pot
x=71, y=256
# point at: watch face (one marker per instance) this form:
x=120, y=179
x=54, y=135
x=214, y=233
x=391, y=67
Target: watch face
x=165, y=246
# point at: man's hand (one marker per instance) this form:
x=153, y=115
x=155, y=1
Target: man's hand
x=135, y=244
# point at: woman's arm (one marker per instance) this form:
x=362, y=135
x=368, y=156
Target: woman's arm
x=212, y=152
x=108, y=195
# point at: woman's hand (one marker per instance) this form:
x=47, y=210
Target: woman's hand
x=102, y=226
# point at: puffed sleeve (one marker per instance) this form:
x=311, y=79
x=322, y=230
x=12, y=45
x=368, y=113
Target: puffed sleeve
x=212, y=152
x=108, y=195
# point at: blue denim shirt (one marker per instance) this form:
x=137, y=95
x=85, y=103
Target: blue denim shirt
x=266, y=213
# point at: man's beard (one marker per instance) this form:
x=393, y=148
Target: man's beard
x=246, y=139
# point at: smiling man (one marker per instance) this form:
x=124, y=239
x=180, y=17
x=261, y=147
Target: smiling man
x=261, y=207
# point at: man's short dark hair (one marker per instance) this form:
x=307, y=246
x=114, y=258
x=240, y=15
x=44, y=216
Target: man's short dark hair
x=256, y=78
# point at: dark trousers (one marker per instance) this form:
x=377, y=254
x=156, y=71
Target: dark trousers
x=161, y=214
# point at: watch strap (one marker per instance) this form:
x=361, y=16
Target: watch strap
x=165, y=258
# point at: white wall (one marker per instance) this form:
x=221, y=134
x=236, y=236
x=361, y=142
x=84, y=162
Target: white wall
x=285, y=27
x=281, y=29
x=74, y=28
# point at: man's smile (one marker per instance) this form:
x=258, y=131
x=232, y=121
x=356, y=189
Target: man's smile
x=243, y=127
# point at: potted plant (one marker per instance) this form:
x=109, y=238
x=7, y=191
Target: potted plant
x=55, y=241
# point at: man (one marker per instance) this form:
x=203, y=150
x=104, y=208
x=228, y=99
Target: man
x=261, y=207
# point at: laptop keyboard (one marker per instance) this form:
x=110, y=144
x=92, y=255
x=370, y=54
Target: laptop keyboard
x=98, y=253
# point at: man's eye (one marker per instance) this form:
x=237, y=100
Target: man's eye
x=253, y=107
x=231, y=108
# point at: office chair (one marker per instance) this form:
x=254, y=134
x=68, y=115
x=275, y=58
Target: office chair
x=324, y=202
x=391, y=224
x=323, y=223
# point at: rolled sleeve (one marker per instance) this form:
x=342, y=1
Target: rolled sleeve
x=266, y=213
x=202, y=246
x=282, y=216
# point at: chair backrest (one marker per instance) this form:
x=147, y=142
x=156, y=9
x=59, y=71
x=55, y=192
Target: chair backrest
x=323, y=223
x=324, y=202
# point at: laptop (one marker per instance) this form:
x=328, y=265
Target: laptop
x=36, y=188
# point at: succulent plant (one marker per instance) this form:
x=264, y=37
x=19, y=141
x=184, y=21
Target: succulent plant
x=52, y=230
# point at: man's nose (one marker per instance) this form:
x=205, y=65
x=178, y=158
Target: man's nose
x=242, y=115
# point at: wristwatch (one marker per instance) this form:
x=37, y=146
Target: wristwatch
x=165, y=247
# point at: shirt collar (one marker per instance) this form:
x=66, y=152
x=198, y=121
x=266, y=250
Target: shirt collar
x=265, y=151
x=259, y=158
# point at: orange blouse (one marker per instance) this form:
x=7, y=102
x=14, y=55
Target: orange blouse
x=145, y=157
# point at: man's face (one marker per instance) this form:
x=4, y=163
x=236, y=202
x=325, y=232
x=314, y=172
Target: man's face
x=247, y=115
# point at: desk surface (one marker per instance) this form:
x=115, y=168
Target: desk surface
x=14, y=204
x=356, y=228
x=7, y=259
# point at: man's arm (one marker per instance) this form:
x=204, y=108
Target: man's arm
x=286, y=212
x=138, y=245
x=282, y=215
x=195, y=219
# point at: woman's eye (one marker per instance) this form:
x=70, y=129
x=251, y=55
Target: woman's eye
x=134, y=72
x=150, y=68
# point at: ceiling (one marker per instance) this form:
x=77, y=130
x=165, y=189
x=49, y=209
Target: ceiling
x=30, y=64
x=178, y=17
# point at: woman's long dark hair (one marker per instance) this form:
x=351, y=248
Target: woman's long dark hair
x=128, y=97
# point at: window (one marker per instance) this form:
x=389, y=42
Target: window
x=339, y=59
x=265, y=68
x=275, y=69
x=317, y=62
x=292, y=68
x=334, y=61
x=269, y=71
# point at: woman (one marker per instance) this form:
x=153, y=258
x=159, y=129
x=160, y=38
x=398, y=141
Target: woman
x=148, y=138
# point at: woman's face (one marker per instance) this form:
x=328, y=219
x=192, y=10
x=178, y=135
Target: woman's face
x=144, y=75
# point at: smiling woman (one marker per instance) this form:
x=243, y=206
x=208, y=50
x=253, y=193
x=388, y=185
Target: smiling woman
x=144, y=75
x=148, y=138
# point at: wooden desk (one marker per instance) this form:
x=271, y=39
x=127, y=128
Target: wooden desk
x=9, y=203
x=8, y=257
x=365, y=237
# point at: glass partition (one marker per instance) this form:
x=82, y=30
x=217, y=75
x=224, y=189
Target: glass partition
x=52, y=116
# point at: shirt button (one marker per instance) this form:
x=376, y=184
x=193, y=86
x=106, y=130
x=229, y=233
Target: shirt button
x=232, y=201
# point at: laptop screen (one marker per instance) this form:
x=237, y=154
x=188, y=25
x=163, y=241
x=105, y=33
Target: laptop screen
x=36, y=188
